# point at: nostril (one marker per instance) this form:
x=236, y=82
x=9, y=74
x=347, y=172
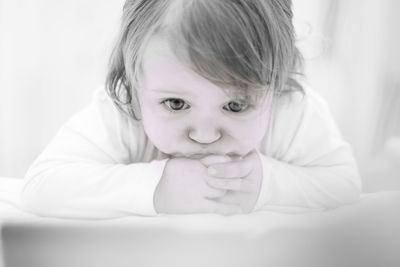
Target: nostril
x=204, y=138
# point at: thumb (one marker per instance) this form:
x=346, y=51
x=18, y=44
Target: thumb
x=214, y=159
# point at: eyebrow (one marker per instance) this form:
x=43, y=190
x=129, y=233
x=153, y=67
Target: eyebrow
x=178, y=91
x=169, y=91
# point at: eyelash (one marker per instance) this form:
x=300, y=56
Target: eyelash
x=167, y=104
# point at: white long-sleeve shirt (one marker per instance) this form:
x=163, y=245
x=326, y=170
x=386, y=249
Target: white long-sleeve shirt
x=101, y=164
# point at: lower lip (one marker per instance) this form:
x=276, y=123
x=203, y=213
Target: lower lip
x=197, y=156
x=200, y=156
x=192, y=156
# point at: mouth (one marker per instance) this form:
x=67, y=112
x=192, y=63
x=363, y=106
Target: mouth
x=205, y=154
x=197, y=156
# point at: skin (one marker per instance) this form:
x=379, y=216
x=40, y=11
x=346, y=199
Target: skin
x=210, y=137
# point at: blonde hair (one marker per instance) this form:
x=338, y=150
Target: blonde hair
x=244, y=46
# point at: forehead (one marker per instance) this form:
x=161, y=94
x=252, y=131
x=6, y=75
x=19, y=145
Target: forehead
x=162, y=69
x=158, y=54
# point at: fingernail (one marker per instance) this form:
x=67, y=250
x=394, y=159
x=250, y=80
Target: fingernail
x=212, y=171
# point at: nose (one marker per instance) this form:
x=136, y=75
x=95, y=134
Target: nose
x=204, y=134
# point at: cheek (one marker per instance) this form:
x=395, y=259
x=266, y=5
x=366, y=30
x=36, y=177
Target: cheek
x=163, y=133
x=249, y=133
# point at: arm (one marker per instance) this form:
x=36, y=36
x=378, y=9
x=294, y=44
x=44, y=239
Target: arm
x=86, y=170
x=305, y=161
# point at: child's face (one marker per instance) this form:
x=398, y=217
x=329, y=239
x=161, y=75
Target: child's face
x=185, y=115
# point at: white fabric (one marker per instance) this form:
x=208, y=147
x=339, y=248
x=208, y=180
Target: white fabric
x=306, y=163
x=10, y=203
x=379, y=206
x=101, y=164
x=368, y=205
x=342, y=237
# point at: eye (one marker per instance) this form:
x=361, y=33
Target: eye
x=175, y=104
x=236, y=107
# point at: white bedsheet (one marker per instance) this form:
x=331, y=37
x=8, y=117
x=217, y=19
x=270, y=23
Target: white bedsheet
x=369, y=227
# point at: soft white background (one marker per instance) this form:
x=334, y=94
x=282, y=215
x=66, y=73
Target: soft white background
x=53, y=54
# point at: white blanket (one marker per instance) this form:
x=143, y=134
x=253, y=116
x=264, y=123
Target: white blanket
x=372, y=205
x=369, y=228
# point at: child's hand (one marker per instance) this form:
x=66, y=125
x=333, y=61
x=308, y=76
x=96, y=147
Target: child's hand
x=183, y=189
x=242, y=177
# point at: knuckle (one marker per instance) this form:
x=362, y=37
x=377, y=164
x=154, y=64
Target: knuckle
x=214, y=160
x=225, y=183
x=247, y=168
x=218, y=183
x=235, y=184
x=214, y=192
x=219, y=193
x=241, y=171
x=215, y=183
x=209, y=180
x=236, y=170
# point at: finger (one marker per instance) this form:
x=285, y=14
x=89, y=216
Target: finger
x=222, y=208
x=214, y=192
x=231, y=197
x=213, y=159
x=233, y=169
x=243, y=185
x=234, y=184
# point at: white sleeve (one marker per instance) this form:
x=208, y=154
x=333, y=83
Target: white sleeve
x=86, y=170
x=308, y=165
